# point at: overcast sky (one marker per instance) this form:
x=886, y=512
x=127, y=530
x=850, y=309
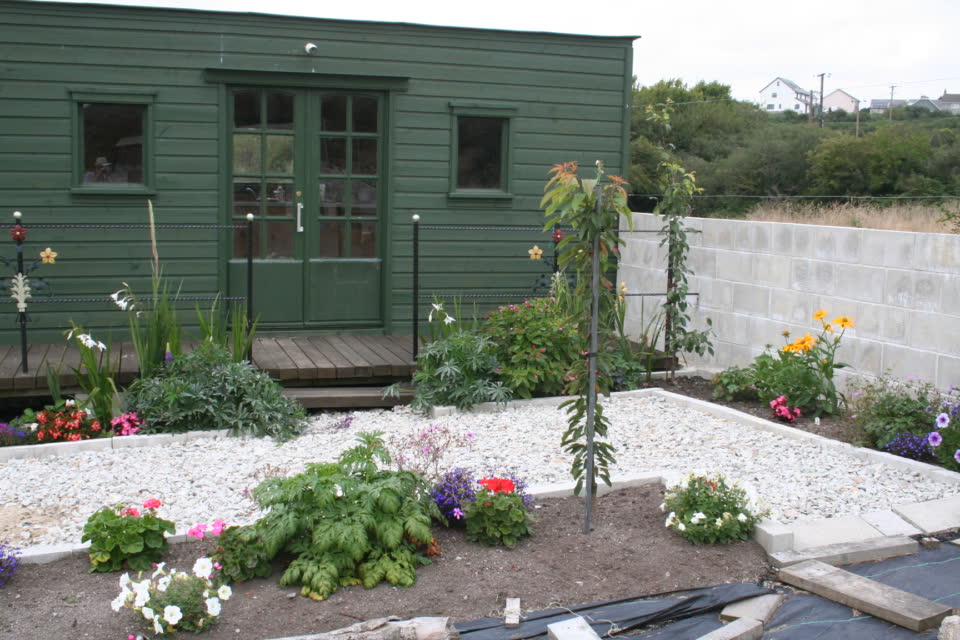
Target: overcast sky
x=866, y=46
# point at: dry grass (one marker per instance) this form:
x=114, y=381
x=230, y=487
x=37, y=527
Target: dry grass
x=896, y=217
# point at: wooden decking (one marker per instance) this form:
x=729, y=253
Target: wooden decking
x=314, y=361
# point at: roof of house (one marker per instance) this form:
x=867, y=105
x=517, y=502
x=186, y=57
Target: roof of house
x=883, y=103
x=790, y=83
x=950, y=97
x=855, y=99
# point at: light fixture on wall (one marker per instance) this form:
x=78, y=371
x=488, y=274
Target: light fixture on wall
x=310, y=48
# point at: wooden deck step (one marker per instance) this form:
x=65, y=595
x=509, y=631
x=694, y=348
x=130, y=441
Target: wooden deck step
x=345, y=397
x=887, y=603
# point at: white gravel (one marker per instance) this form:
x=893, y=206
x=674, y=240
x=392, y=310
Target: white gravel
x=201, y=480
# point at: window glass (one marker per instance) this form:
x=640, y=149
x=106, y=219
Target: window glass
x=279, y=111
x=363, y=240
x=331, y=239
x=246, y=153
x=364, y=114
x=113, y=142
x=480, y=152
x=246, y=110
x=365, y=156
x=333, y=155
x=279, y=154
x=331, y=197
x=333, y=113
x=240, y=241
x=364, y=198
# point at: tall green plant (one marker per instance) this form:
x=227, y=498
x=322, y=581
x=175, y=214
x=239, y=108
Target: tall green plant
x=94, y=375
x=231, y=331
x=592, y=209
x=679, y=186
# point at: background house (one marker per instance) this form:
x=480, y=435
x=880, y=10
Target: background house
x=785, y=95
x=332, y=133
x=950, y=102
x=881, y=105
x=840, y=99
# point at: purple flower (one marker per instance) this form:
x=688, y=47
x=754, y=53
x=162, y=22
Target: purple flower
x=943, y=420
x=934, y=439
x=956, y=455
x=470, y=435
x=457, y=513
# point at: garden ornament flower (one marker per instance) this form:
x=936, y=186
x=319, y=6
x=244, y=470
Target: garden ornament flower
x=48, y=256
x=558, y=235
x=18, y=233
x=536, y=253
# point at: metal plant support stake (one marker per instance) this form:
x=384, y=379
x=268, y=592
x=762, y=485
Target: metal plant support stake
x=21, y=290
x=416, y=285
x=250, y=282
x=592, y=369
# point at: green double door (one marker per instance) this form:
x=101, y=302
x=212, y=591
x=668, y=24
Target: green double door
x=308, y=164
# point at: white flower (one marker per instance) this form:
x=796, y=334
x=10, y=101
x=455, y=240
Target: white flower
x=141, y=599
x=125, y=582
x=118, y=602
x=148, y=613
x=337, y=491
x=213, y=606
x=663, y=506
x=157, y=627
x=669, y=519
x=681, y=527
x=224, y=592
x=203, y=568
x=436, y=307
x=719, y=522
x=694, y=520
x=172, y=614
x=69, y=402
x=159, y=571
x=742, y=517
x=449, y=320
x=32, y=426
x=163, y=583
x=700, y=515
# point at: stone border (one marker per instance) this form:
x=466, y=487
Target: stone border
x=36, y=451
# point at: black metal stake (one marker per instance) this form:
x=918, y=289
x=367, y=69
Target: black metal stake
x=416, y=285
x=21, y=315
x=250, y=283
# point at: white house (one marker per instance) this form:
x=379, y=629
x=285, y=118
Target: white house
x=840, y=99
x=950, y=102
x=785, y=95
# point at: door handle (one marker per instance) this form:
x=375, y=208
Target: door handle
x=299, y=217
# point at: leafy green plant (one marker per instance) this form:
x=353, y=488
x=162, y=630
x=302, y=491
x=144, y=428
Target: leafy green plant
x=206, y=389
x=706, y=510
x=944, y=440
x=242, y=554
x=174, y=601
x=497, y=515
x=537, y=345
x=154, y=323
x=345, y=523
x=123, y=536
x=460, y=370
x=94, y=375
x=735, y=383
x=886, y=407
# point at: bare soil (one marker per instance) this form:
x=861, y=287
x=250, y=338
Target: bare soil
x=628, y=553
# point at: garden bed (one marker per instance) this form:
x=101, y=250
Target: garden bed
x=629, y=553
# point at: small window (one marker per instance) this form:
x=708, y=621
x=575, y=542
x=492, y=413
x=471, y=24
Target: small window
x=480, y=151
x=773, y=95
x=112, y=143
x=769, y=107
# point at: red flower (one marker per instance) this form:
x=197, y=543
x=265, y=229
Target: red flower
x=152, y=503
x=557, y=235
x=130, y=511
x=498, y=485
x=18, y=233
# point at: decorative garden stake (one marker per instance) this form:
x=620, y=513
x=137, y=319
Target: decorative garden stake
x=592, y=208
x=20, y=288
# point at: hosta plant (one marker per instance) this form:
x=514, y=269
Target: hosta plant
x=706, y=510
x=126, y=536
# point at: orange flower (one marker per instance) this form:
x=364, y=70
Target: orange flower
x=820, y=315
x=843, y=322
x=536, y=253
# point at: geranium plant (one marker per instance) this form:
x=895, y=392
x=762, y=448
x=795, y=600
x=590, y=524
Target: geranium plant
x=175, y=601
x=498, y=515
x=706, y=510
x=782, y=410
x=126, y=536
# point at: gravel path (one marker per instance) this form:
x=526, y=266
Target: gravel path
x=202, y=480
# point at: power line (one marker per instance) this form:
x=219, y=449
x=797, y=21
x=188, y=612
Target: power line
x=837, y=197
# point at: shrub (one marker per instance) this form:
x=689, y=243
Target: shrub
x=944, y=440
x=498, y=515
x=242, y=554
x=177, y=601
x=121, y=536
x=9, y=560
x=734, y=383
x=205, y=389
x=345, y=523
x=887, y=407
x=537, y=344
x=707, y=510
x=460, y=370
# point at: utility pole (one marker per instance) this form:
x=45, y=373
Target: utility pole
x=858, y=120
x=890, y=106
x=821, y=98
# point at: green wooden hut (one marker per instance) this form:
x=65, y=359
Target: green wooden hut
x=332, y=133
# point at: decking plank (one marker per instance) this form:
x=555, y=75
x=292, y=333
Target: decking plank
x=268, y=355
x=362, y=368
x=405, y=343
x=325, y=368
x=342, y=365
x=400, y=364
x=306, y=369
x=9, y=367
x=375, y=356
x=36, y=354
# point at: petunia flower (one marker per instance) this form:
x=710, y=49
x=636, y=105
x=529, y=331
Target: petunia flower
x=934, y=439
x=224, y=592
x=943, y=420
x=213, y=606
x=172, y=614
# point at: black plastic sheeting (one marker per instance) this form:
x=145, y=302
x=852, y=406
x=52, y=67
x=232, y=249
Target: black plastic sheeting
x=622, y=615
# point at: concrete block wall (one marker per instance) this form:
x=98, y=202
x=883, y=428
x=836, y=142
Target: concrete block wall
x=757, y=279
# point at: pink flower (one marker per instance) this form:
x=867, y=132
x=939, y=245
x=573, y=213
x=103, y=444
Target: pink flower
x=152, y=503
x=217, y=566
x=130, y=511
x=217, y=527
x=197, y=531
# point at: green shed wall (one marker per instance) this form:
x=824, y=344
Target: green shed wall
x=570, y=93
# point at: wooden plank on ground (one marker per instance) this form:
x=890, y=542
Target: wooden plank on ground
x=341, y=364
x=400, y=364
x=306, y=369
x=344, y=397
x=887, y=603
x=324, y=368
x=511, y=613
x=405, y=344
x=362, y=368
x=374, y=356
x=9, y=366
x=269, y=357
